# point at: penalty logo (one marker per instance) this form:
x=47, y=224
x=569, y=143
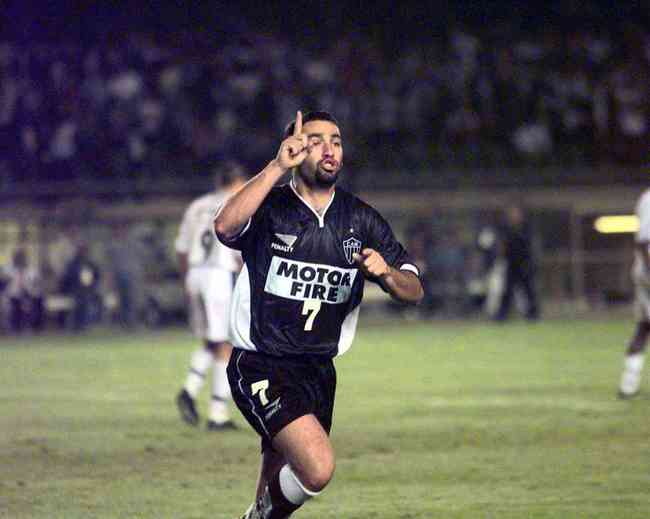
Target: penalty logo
x=351, y=246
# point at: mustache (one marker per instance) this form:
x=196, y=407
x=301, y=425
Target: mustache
x=333, y=161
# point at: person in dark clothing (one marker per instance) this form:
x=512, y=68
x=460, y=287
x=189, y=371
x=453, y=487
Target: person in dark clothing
x=81, y=281
x=127, y=269
x=520, y=269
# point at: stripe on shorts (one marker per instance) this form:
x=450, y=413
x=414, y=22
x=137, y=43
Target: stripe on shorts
x=239, y=383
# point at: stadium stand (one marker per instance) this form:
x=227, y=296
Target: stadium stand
x=137, y=109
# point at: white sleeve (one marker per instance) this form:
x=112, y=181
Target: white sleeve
x=643, y=213
x=184, y=238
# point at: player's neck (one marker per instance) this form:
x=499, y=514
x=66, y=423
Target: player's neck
x=317, y=198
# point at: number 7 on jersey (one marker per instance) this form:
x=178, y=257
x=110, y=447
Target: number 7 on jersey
x=310, y=307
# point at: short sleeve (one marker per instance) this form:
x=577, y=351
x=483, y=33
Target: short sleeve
x=248, y=235
x=382, y=239
x=184, y=237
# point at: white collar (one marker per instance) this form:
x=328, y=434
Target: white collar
x=321, y=217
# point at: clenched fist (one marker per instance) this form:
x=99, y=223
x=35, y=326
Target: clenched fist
x=371, y=263
x=293, y=149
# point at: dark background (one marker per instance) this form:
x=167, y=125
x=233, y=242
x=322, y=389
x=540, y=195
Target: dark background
x=390, y=22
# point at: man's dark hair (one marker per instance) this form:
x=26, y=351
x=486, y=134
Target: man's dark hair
x=310, y=116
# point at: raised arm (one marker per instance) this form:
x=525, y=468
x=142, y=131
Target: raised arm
x=239, y=208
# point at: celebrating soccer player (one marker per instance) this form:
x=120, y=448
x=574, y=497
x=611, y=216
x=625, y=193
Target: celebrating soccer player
x=307, y=248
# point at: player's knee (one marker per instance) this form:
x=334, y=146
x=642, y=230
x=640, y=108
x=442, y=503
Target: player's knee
x=319, y=475
x=216, y=347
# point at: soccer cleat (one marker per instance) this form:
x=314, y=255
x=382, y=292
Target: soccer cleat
x=253, y=513
x=630, y=383
x=186, y=408
x=626, y=396
x=221, y=426
x=261, y=509
x=247, y=513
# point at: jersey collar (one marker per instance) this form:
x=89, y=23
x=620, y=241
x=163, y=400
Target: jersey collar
x=321, y=218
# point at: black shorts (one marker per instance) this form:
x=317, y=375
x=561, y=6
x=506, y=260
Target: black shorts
x=271, y=392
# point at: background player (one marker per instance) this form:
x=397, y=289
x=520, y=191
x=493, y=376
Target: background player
x=208, y=270
x=634, y=357
x=307, y=247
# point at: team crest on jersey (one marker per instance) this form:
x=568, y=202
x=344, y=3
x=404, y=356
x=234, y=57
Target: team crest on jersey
x=351, y=246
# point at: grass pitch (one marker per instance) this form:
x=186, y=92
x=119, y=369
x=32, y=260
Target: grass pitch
x=433, y=420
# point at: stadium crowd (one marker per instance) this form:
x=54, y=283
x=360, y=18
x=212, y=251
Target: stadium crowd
x=118, y=273
x=126, y=276
x=140, y=107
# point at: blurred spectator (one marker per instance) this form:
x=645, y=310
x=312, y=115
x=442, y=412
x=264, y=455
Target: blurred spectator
x=447, y=256
x=60, y=252
x=463, y=130
x=533, y=140
x=516, y=250
x=81, y=282
x=127, y=272
x=623, y=114
x=481, y=289
x=24, y=293
x=133, y=108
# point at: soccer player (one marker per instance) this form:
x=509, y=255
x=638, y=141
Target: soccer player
x=208, y=269
x=307, y=247
x=634, y=357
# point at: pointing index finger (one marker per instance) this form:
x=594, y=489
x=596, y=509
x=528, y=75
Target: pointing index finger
x=297, y=129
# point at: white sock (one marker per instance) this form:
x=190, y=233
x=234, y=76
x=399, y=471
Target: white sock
x=631, y=378
x=199, y=365
x=220, y=393
x=219, y=411
x=220, y=385
x=294, y=491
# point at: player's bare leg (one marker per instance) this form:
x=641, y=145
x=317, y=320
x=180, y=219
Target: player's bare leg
x=634, y=360
x=308, y=450
x=219, y=417
x=305, y=446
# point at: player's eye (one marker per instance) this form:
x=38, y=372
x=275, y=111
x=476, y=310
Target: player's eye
x=315, y=141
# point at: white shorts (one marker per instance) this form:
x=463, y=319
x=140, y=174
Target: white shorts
x=210, y=295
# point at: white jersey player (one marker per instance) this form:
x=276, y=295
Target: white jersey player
x=209, y=269
x=634, y=357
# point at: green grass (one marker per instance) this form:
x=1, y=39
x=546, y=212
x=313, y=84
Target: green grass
x=433, y=420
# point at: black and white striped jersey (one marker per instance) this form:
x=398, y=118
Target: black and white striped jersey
x=299, y=290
